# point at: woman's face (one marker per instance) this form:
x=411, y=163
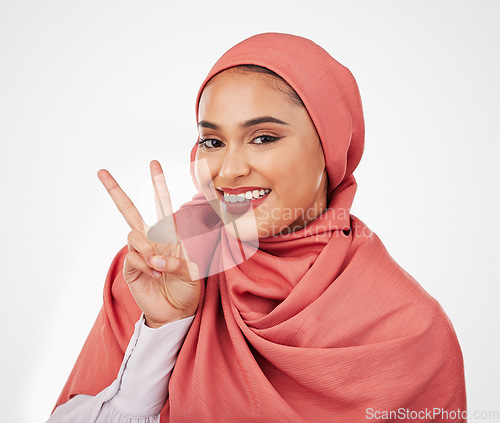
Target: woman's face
x=263, y=153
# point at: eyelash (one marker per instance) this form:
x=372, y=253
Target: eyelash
x=202, y=141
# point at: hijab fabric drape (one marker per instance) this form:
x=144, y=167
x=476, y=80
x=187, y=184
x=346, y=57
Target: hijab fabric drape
x=320, y=325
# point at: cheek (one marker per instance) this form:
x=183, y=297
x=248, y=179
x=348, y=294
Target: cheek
x=198, y=171
x=204, y=170
x=299, y=177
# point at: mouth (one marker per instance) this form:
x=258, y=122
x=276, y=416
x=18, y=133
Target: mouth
x=239, y=200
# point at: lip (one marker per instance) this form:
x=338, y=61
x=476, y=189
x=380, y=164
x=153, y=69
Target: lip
x=244, y=206
x=239, y=190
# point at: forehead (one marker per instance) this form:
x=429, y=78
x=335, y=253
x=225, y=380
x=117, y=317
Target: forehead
x=243, y=91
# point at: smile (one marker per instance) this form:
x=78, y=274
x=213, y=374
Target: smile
x=237, y=201
x=245, y=196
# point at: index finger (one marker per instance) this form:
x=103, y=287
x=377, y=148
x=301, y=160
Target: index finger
x=124, y=204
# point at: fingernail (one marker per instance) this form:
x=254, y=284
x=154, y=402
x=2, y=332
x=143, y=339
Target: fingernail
x=157, y=262
x=156, y=273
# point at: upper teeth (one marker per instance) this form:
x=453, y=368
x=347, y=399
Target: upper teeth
x=249, y=195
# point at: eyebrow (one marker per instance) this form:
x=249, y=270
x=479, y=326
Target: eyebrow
x=246, y=124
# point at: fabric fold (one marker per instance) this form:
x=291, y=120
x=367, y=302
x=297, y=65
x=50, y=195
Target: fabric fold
x=318, y=325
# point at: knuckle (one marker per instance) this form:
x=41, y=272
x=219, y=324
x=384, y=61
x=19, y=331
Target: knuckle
x=132, y=235
x=132, y=259
x=127, y=206
x=138, y=243
x=149, y=251
x=129, y=258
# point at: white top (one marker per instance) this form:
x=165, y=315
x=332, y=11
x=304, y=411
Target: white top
x=141, y=388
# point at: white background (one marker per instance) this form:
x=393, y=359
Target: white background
x=92, y=84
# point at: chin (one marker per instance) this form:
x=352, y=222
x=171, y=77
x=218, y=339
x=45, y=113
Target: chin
x=242, y=227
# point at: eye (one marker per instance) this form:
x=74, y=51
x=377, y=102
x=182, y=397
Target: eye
x=264, y=139
x=208, y=144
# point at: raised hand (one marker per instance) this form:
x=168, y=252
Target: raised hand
x=165, y=285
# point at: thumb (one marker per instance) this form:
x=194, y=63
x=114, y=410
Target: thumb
x=187, y=271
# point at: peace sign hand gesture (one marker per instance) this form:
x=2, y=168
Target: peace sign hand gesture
x=165, y=285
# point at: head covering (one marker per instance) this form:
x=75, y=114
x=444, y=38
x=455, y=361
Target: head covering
x=318, y=325
x=337, y=116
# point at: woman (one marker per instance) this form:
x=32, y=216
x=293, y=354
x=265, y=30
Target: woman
x=291, y=308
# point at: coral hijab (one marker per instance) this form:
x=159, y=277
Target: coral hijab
x=319, y=325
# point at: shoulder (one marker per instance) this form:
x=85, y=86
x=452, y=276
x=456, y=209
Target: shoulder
x=399, y=304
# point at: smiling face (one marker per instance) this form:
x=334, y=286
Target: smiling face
x=263, y=153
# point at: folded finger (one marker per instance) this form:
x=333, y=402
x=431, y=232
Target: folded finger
x=134, y=261
x=137, y=241
x=176, y=266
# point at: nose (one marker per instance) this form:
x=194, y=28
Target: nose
x=234, y=163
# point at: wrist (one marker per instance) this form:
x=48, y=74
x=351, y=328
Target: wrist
x=155, y=325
